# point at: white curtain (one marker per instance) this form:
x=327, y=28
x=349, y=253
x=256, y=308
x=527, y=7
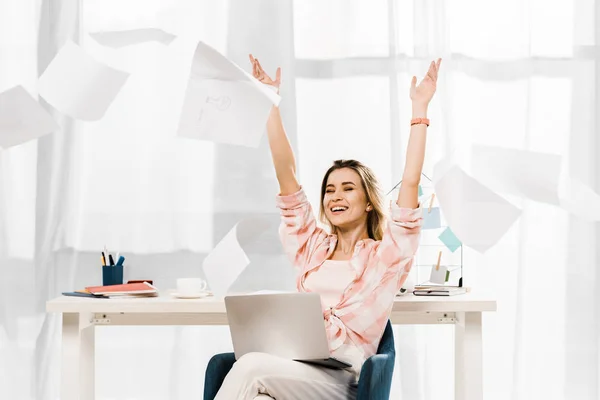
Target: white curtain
x=516, y=74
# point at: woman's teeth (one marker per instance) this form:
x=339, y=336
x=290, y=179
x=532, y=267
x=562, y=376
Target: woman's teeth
x=338, y=209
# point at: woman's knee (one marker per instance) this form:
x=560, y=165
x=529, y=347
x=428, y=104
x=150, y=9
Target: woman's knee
x=252, y=357
x=252, y=363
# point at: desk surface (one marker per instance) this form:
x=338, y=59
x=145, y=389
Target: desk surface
x=165, y=303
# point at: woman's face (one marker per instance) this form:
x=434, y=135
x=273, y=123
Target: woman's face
x=345, y=200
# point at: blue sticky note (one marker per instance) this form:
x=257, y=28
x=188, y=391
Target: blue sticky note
x=450, y=240
x=420, y=191
x=431, y=220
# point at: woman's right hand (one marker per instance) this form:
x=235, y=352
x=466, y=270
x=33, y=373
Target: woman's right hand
x=261, y=75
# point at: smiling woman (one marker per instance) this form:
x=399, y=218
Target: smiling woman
x=527, y=80
x=370, y=260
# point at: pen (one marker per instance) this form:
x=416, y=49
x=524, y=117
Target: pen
x=103, y=259
x=112, y=262
x=120, y=261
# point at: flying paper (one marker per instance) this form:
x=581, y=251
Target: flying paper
x=228, y=259
x=79, y=86
x=518, y=172
x=224, y=103
x=22, y=118
x=118, y=39
x=579, y=199
x=477, y=215
x=536, y=176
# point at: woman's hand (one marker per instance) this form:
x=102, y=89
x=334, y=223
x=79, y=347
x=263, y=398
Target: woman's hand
x=422, y=93
x=260, y=74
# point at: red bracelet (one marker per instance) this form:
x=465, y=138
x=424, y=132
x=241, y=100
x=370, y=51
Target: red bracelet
x=416, y=121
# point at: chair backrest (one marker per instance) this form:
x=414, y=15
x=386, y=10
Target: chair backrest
x=386, y=345
x=375, y=379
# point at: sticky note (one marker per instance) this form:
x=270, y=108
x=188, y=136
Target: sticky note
x=431, y=220
x=420, y=191
x=439, y=275
x=450, y=240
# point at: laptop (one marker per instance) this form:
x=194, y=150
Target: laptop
x=288, y=325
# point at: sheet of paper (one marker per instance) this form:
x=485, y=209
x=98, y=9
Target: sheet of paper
x=523, y=173
x=450, y=240
x=80, y=86
x=536, y=176
x=118, y=39
x=223, y=103
x=431, y=218
x=579, y=199
x=478, y=216
x=22, y=118
x=228, y=259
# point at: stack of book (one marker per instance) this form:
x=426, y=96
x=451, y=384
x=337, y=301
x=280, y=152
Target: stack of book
x=434, y=290
x=128, y=290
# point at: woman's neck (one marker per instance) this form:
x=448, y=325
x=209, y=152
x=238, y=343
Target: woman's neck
x=347, y=238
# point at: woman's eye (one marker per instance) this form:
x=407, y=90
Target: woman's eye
x=329, y=191
x=347, y=189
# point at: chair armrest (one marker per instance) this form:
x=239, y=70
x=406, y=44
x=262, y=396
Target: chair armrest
x=217, y=369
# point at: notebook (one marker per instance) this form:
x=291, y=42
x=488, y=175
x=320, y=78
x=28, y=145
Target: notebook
x=439, y=291
x=83, y=293
x=142, y=289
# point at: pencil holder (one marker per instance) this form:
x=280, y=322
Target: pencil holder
x=112, y=275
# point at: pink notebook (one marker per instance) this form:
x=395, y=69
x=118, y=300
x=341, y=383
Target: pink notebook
x=127, y=288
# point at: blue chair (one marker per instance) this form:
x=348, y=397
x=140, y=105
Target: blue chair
x=374, y=383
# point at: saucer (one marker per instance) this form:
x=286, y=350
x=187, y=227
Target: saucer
x=190, y=296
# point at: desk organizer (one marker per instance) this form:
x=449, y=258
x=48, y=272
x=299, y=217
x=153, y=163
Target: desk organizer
x=112, y=275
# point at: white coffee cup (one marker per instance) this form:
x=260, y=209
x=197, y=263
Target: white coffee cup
x=190, y=286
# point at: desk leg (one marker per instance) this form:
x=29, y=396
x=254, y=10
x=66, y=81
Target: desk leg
x=77, y=371
x=468, y=379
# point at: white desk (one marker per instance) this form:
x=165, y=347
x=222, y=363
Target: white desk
x=81, y=315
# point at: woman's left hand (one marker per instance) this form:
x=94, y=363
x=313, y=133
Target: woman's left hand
x=423, y=92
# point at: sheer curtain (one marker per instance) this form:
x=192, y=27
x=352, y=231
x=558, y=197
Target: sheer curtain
x=516, y=74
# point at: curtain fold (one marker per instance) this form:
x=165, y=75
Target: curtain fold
x=59, y=22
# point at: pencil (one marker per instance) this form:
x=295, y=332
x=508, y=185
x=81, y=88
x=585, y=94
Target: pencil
x=437, y=266
x=431, y=202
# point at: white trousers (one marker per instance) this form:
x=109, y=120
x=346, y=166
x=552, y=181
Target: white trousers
x=264, y=376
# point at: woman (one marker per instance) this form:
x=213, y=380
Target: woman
x=357, y=269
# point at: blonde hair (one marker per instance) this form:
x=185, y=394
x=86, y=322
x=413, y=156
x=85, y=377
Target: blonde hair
x=375, y=217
